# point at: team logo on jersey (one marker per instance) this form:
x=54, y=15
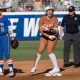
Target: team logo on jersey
x=75, y=18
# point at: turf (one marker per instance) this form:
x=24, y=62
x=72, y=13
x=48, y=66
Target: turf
x=28, y=49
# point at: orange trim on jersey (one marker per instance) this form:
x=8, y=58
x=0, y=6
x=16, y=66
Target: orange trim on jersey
x=1, y=16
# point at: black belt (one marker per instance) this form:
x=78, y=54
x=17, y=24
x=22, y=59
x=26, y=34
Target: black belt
x=72, y=32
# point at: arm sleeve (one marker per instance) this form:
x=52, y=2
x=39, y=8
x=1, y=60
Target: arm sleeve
x=7, y=22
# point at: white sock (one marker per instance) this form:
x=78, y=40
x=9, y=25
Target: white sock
x=38, y=56
x=10, y=68
x=54, y=60
x=1, y=70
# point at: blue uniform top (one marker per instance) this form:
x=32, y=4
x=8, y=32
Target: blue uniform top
x=4, y=23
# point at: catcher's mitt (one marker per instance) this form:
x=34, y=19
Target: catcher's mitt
x=14, y=44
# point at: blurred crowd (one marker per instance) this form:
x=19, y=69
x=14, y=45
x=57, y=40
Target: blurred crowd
x=37, y=5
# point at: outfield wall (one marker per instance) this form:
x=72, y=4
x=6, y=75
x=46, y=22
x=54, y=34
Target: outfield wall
x=25, y=24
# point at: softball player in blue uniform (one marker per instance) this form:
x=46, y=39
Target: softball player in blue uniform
x=5, y=45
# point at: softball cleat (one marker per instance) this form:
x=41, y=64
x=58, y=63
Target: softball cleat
x=1, y=73
x=11, y=74
x=33, y=70
x=53, y=72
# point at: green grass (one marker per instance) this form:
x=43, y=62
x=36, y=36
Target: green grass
x=28, y=49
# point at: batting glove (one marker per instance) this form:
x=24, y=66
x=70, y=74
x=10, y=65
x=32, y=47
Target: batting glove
x=51, y=37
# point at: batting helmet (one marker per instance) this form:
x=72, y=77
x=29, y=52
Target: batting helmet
x=14, y=44
x=49, y=8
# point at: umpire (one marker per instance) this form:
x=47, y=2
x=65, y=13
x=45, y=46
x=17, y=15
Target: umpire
x=70, y=24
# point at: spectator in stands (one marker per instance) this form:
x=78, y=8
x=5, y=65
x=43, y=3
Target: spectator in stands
x=0, y=6
x=67, y=4
x=28, y=5
x=11, y=1
x=7, y=4
x=46, y=2
x=59, y=5
x=20, y=7
x=20, y=1
x=53, y=2
x=1, y=2
x=37, y=5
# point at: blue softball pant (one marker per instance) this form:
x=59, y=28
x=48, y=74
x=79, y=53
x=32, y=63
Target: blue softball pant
x=5, y=50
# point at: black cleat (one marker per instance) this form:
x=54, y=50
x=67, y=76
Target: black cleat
x=66, y=65
x=76, y=65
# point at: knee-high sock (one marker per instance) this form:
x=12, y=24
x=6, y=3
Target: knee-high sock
x=10, y=63
x=1, y=69
x=38, y=56
x=54, y=60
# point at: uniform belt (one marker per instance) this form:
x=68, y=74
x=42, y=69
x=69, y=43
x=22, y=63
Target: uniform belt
x=72, y=32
